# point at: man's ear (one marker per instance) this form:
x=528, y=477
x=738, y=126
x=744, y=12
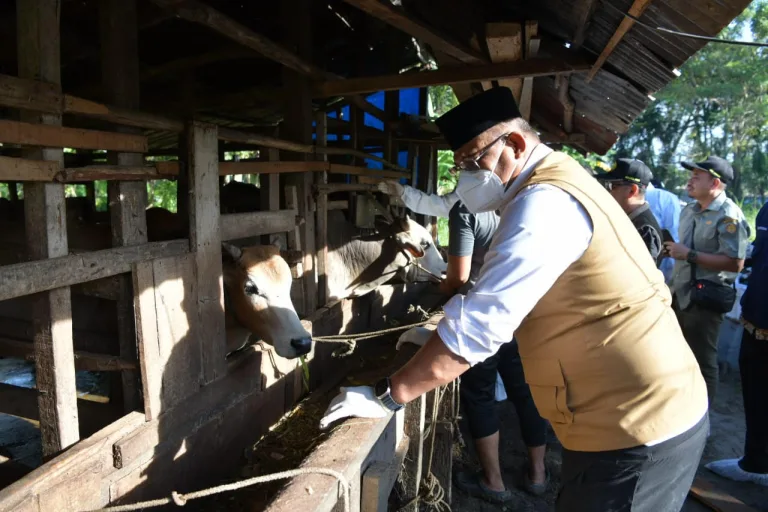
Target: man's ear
x=518, y=143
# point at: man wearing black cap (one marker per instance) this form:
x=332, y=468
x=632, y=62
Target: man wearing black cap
x=627, y=183
x=601, y=348
x=711, y=252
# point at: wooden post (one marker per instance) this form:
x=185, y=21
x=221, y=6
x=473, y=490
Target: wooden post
x=297, y=126
x=321, y=234
x=414, y=429
x=426, y=183
x=270, y=196
x=413, y=166
x=127, y=199
x=205, y=242
x=44, y=208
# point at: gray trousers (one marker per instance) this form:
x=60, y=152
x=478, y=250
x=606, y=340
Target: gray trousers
x=701, y=328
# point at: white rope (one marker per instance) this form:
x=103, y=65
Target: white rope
x=182, y=499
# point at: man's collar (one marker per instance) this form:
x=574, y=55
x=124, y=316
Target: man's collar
x=640, y=209
x=716, y=203
x=538, y=154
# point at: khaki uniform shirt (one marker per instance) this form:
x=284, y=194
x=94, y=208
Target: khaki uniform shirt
x=718, y=229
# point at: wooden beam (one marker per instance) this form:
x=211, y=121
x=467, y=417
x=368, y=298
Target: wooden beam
x=245, y=225
x=127, y=200
x=505, y=44
x=637, y=9
x=22, y=169
x=415, y=28
x=198, y=12
x=38, y=276
x=205, y=243
x=346, y=187
x=379, y=479
x=526, y=68
x=88, y=361
x=38, y=47
x=110, y=173
x=28, y=134
x=338, y=205
x=583, y=20
x=65, y=477
x=87, y=108
x=29, y=95
x=321, y=232
x=531, y=50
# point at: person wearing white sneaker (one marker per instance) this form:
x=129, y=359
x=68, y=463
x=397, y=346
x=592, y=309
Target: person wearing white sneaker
x=753, y=366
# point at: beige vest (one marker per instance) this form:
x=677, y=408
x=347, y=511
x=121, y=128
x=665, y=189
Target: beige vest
x=602, y=351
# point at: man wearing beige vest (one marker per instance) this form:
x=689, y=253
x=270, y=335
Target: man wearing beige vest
x=570, y=278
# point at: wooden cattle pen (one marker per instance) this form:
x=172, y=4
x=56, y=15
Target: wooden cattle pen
x=331, y=97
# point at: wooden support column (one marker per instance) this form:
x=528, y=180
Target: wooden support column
x=532, y=42
x=297, y=127
x=205, y=242
x=321, y=233
x=44, y=208
x=427, y=157
x=127, y=199
x=270, y=196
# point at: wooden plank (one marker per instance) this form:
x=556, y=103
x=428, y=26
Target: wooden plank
x=637, y=9
x=28, y=134
x=205, y=243
x=108, y=288
x=187, y=417
x=526, y=68
x=22, y=169
x=88, y=361
x=22, y=402
x=294, y=242
x=124, y=116
x=39, y=276
x=415, y=28
x=127, y=200
x=148, y=338
x=64, y=473
x=583, y=19
x=346, y=187
x=178, y=328
x=442, y=457
x=111, y=173
x=505, y=44
x=270, y=197
x=198, y=12
x=171, y=168
x=245, y=225
x=321, y=231
x=379, y=479
x=531, y=50
x=38, y=47
x=718, y=500
x=30, y=95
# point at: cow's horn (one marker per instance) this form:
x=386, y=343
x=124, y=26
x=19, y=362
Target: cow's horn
x=234, y=251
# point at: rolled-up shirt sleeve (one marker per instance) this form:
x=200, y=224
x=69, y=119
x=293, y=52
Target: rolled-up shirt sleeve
x=428, y=204
x=541, y=233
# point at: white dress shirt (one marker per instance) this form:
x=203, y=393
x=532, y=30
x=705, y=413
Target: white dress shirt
x=543, y=230
x=666, y=208
x=428, y=204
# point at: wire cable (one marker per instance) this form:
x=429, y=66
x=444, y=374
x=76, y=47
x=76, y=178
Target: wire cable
x=686, y=34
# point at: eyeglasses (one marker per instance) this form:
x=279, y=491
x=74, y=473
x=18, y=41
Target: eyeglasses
x=611, y=184
x=470, y=164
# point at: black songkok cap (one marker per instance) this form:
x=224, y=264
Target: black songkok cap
x=474, y=116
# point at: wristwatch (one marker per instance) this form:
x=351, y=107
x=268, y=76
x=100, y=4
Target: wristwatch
x=691, y=258
x=382, y=391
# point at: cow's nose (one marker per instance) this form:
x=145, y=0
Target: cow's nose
x=302, y=345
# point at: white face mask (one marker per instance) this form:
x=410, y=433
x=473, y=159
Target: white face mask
x=480, y=191
x=483, y=190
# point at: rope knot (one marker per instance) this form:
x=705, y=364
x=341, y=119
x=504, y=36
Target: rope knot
x=178, y=499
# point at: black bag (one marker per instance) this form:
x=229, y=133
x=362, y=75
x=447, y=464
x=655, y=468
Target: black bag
x=707, y=294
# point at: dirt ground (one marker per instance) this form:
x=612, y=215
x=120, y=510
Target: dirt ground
x=726, y=441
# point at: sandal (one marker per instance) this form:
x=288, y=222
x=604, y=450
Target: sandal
x=472, y=484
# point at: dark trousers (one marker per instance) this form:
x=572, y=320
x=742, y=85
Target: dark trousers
x=753, y=366
x=701, y=328
x=478, y=396
x=640, y=479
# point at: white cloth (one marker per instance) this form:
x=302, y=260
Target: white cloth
x=666, y=207
x=428, y=204
x=542, y=232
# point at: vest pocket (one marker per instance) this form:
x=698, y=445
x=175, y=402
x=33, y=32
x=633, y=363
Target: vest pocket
x=548, y=388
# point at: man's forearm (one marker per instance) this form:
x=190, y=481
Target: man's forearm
x=432, y=366
x=719, y=262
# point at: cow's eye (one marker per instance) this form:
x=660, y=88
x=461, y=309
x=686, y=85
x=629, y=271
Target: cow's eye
x=425, y=244
x=251, y=288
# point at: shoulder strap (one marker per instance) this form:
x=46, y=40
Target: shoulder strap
x=693, y=265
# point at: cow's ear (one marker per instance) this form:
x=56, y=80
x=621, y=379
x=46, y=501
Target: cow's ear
x=292, y=257
x=381, y=224
x=231, y=252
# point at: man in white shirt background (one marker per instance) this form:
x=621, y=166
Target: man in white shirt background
x=600, y=345
x=666, y=208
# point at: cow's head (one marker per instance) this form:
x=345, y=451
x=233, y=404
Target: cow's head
x=416, y=242
x=258, y=284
